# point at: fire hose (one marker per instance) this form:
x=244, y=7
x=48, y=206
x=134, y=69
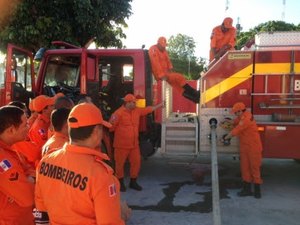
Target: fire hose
x=214, y=174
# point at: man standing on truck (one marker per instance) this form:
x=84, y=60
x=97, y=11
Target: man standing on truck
x=162, y=70
x=125, y=125
x=250, y=149
x=222, y=39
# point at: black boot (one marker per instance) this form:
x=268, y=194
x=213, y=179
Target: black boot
x=122, y=185
x=257, y=193
x=134, y=185
x=246, y=190
x=191, y=94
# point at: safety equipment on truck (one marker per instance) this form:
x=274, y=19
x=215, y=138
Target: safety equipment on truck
x=226, y=142
x=227, y=124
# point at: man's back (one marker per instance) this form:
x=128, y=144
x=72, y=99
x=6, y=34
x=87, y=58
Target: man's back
x=75, y=186
x=55, y=142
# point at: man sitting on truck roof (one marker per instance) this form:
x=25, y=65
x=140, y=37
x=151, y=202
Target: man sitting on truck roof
x=162, y=70
x=222, y=39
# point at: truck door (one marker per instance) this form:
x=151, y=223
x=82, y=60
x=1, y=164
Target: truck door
x=17, y=81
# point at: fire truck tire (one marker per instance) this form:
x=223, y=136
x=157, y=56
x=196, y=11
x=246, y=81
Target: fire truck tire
x=147, y=149
x=297, y=160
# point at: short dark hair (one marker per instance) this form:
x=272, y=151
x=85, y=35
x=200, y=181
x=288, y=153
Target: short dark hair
x=10, y=116
x=63, y=102
x=59, y=117
x=19, y=104
x=81, y=133
x=83, y=98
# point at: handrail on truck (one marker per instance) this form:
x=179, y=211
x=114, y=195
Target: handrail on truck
x=214, y=174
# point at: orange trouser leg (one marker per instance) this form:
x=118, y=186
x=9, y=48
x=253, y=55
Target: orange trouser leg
x=245, y=167
x=135, y=162
x=255, y=159
x=250, y=166
x=121, y=155
x=177, y=81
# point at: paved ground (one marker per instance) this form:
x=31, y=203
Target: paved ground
x=175, y=192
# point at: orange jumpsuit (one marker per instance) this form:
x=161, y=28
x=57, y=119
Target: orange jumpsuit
x=16, y=190
x=250, y=147
x=38, y=132
x=29, y=155
x=56, y=142
x=29, y=150
x=32, y=118
x=218, y=39
x=75, y=186
x=162, y=66
x=126, y=139
x=50, y=131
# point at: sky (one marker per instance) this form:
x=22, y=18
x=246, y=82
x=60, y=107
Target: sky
x=196, y=18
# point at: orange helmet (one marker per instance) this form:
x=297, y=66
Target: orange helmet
x=239, y=106
x=130, y=98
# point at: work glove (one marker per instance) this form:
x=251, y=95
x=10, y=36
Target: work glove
x=226, y=142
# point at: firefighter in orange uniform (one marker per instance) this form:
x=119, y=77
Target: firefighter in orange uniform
x=250, y=149
x=27, y=150
x=38, y=132
x=74, y=185
x=222, y=39
x=162, y=70
x=16, y=188
x=125, y=125
x=60, y=135
x=33, y=114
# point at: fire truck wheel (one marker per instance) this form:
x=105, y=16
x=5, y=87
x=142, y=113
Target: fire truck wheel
x=297, y=160
x=147, y=149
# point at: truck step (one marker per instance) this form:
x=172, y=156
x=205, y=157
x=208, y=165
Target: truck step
x=180, y=134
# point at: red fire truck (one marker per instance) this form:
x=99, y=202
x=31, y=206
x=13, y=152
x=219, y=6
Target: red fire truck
x=106, y=75
x=267, y=79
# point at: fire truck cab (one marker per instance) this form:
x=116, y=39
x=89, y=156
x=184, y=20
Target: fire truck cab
x=106, y=75
x=17, y=81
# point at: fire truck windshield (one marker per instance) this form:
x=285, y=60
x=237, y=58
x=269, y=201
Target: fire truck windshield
x=62, y=75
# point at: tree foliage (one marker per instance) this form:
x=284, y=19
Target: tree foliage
x=181, y=49
x=7, y=8
x=270, y=26
x=38, y=22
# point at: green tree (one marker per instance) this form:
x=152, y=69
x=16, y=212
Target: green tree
x=36, y=23
x=270, y=26
x=181, y=49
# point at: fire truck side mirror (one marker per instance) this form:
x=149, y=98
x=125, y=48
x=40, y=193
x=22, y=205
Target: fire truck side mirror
x=39, y=54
